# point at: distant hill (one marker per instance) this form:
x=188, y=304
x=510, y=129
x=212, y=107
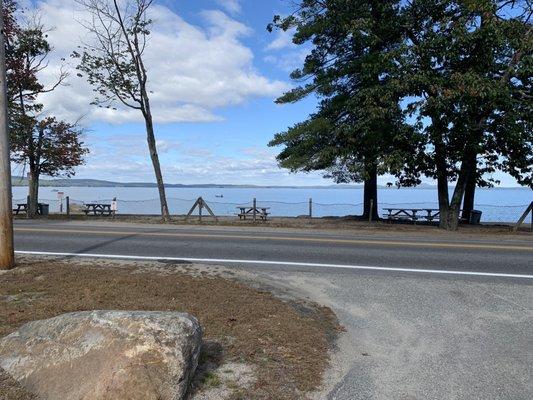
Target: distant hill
x=19, y=181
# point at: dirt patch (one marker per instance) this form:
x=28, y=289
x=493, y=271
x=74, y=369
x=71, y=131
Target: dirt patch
x=286, y=344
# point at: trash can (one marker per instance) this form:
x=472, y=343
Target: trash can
x=45, y=209
x=475, y=217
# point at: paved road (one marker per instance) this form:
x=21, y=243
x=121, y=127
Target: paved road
x=385, y=250
x=412, y=334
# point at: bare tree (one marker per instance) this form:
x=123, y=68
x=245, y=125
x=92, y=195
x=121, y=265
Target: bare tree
x=114, y=65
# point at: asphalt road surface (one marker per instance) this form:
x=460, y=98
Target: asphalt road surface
x=427, y=317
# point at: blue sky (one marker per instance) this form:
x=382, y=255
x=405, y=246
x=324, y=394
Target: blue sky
x=215, y=72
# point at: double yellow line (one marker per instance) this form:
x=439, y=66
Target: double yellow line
x=479, y=246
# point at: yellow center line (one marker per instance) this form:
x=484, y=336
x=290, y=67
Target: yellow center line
x=282, y=238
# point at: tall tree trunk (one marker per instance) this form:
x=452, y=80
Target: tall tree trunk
x=467, y=171
x=34, y=161
x=452, y=222
x=370, y=207
x=33, y=194
x=136, y=51
x=442, y=184
x=470, y=193
x=157, y=166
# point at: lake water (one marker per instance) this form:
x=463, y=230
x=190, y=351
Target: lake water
x=497, y=205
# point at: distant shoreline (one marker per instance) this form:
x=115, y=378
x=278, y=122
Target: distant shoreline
x=84, y=183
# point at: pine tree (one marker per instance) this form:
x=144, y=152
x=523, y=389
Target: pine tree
x=359, y=129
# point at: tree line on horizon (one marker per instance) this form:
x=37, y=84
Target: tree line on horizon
x=434, y=88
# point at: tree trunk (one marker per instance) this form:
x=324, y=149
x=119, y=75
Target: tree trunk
x=452, y=222
x=370, y=207
x=33, y=194
x=467, y=172
x=470, y=193
x=442, y=185
x=157, y=166
x=444, y=201
x=468, y=202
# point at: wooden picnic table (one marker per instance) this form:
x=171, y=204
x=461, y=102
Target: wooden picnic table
x=248, y=211
x=23, y=207
x=97, y=209
x=413, y=214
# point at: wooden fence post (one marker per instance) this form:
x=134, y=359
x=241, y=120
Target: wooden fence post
x=67, y=203
x=310, y=208
x=523, y=217
x=201, y=204
x=200, y=208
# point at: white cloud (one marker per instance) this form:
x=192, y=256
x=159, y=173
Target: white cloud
x=284, y=54
x=282, y=40
x=193, y=70
x=288, y=61
x=183, y=162
x=232, y=6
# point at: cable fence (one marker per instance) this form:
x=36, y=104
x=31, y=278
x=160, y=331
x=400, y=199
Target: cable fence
x=180, y=206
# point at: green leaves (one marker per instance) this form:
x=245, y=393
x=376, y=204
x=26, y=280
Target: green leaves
x=48, y=146
x=351, y=68
x=439, y=88
x=114, y=76
x=53, y=147
x=466, y=69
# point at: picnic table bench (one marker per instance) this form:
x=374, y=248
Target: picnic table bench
x=412, y=214
x=248, y=211
x=97, y=209
x=23, y=208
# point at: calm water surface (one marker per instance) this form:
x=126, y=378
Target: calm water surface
x=497, y=205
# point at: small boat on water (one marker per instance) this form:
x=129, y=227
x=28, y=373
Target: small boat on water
x=219, y=196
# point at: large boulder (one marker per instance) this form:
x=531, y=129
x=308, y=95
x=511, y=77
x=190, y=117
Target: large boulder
x=100, y=355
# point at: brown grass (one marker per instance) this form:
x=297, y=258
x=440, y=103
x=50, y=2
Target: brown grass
x=287, y=343
x=324, y=223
